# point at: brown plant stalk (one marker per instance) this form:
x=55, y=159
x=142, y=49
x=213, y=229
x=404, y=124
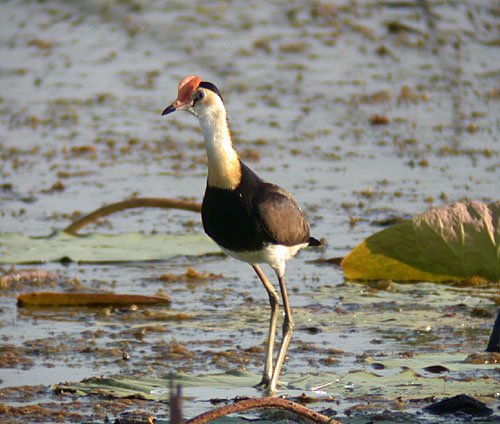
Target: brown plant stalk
x=266, y=402
x=146, y=202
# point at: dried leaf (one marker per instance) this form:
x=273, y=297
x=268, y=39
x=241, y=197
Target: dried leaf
x=86, y=299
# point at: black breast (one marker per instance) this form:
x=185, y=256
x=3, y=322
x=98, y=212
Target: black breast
x=254, y=214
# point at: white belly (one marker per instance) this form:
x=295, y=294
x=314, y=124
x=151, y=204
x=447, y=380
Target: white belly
x=275, y=255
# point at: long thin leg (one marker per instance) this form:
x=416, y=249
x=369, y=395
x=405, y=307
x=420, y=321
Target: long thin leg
x=288, y=325
x=274, y=302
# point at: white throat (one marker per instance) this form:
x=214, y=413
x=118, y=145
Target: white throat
x=224, y=170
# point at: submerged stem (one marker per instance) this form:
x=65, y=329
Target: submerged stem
x=146, y=202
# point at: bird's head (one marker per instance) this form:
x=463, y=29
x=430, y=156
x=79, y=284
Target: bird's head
x=197, y=97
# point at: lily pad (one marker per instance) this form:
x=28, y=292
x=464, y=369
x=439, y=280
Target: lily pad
x=450, y=243
x=21, y=249
x=402, y=379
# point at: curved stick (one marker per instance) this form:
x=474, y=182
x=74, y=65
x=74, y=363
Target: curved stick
x=267, y=402
x=148, y=202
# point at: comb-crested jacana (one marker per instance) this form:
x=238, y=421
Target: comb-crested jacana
x=250, y=219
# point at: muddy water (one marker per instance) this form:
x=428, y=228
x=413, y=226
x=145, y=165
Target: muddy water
x=364, y=111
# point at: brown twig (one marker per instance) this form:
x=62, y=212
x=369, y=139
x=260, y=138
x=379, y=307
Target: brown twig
x=145, y=202
x=266, y=402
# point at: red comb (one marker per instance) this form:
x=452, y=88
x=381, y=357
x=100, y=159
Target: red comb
x=187, y=86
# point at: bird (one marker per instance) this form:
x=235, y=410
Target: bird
x=249, y=218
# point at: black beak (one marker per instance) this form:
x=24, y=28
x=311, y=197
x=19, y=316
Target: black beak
x=168, y=110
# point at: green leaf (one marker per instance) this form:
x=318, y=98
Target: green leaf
x=454, y=242
x=18, y=248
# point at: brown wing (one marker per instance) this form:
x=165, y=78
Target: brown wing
x=281, y=217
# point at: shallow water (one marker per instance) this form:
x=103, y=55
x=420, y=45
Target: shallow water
x=82, y=89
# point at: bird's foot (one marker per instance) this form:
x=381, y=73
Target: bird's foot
x=265, y=386
x=264, y=383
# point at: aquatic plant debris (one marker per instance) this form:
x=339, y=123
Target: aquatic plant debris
x=26, y=275
x=87, y=299
x=449, y=243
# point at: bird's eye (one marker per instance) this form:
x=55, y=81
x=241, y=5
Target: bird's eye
x=199, y=95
